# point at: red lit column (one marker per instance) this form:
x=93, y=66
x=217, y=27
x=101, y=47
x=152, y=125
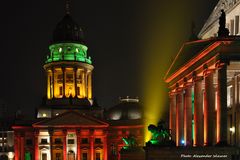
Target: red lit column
x=36, y=153
x=78, y=145
x=209, y=108
x=198, y=112
x=64, y=144
x=222, y=103
x=188, y=114
x=172, y=116
x=22, y=146
x=105, y=149
x=92, y=145
x=16, y=145
x=179, y=119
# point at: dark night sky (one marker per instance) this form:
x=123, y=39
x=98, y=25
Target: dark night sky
x=115, y=31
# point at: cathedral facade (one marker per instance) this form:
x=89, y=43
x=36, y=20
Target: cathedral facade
x=69, y=124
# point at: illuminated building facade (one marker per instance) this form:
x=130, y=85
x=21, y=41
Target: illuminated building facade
x=6, y=145
x=69, y=123
x=232, y=9
x=204, y=91
x=6, y=133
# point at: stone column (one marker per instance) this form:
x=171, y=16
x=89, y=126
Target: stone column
x=209, y=108
x=172, y=115
x=89, y=85
x=50, y=132
x=198, y=112
x=48, y=85
x=237, y=128
x=78, y=145
x=222, y=103
x=53, y=86
x=105, y=147
x=36, y=148
x=179, y=119
x=75, y=81
x=188, y=114
x=63, y=77
x=64, y=144
x=22, y=145
x=16, y=145
x=83, y=84
x=91, y=145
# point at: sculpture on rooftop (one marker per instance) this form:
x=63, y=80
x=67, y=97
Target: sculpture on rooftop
x=222, y=31
x=161, y=136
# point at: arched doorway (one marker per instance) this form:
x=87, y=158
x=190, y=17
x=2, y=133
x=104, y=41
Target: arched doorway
x=71, y=155
x=4, y=157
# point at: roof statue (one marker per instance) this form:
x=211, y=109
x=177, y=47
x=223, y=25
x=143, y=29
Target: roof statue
x=222, y=31
x=160, y=135
x=226, y=5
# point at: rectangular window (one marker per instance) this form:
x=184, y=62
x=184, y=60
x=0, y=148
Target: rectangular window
x=58, y=141
x=98, y=155
x=44, y=156
x=232, y=27
x=98, y=140
x=44, y=141
x=59, y=78
x=69, y=78
x=84, y=140
x=236, y=25
x=84, y=156
x=78, y=91
x=70, y=141
x=58, y=156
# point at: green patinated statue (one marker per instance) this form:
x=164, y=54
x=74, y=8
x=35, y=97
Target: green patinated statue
x=160, y=134
x=130, y=142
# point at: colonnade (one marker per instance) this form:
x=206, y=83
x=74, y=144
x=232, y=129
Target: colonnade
x=197, y=116
x=81, y=85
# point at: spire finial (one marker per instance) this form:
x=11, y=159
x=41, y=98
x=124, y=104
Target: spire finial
x=67, y=7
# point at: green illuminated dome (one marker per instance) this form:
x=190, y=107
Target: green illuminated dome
x=67, y=43
x=68, y=31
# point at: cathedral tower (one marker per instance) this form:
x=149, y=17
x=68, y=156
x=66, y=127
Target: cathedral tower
x=68, y=70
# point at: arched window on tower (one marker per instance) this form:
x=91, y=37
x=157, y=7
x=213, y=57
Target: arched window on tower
x=69, y=83
x=58, y=83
